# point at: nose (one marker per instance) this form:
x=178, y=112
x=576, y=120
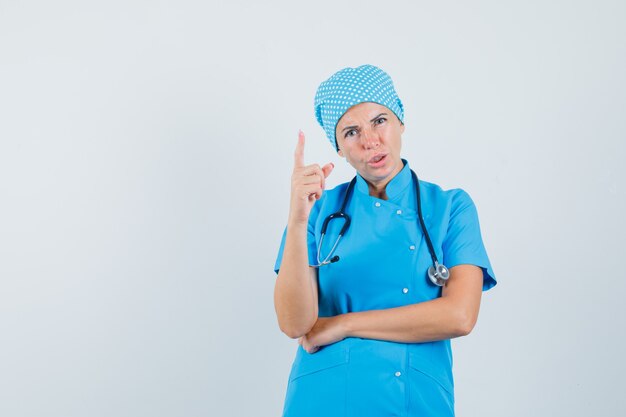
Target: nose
x=370, y=139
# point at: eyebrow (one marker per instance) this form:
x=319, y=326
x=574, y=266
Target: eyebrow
x=352, y=127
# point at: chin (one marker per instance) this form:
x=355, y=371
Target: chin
x=379, y=174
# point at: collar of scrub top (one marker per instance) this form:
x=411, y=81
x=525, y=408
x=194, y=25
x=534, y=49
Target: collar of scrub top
x=395, y=188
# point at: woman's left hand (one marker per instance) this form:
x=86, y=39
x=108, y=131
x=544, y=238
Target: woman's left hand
x=326, y=330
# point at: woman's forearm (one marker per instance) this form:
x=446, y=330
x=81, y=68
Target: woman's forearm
x=427, y=321
x=295, y=292
x=453, y=314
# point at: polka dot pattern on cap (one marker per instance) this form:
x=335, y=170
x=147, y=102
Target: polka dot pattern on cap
x=351, y=86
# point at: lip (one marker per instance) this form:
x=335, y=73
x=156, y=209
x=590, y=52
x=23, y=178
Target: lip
x=380, y=163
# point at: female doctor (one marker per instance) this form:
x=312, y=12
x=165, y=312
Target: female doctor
x=367, y=295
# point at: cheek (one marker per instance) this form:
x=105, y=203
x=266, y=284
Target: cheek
x=350, y=158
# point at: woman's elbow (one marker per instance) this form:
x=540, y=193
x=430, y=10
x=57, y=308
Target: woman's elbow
x=295, y=331
x=465, y=323
x=292, y=334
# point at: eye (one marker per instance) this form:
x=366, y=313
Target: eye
x=380, y=120
x=349, y=133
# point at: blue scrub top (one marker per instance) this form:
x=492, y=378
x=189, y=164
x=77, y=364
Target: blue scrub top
x=383, y=263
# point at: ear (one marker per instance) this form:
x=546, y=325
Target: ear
x=339, y=148
x=402, y=128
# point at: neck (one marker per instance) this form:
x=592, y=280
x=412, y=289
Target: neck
x=378, y=190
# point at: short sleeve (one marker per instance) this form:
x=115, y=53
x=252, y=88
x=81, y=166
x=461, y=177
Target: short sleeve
x=311, y=247
x=463, y=243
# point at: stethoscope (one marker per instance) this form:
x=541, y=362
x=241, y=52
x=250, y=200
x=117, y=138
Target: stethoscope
x=437, y=273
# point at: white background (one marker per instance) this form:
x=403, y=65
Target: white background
x=146, y=150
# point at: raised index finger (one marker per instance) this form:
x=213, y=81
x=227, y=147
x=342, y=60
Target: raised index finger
x=298, y=160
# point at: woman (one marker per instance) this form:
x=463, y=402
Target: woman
x=373, y=309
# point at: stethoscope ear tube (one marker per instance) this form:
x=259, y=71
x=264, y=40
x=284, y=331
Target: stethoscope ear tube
x=337, y=215
x=341, y=214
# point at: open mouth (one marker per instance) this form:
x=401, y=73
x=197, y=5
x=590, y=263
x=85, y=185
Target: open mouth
x=377, y=160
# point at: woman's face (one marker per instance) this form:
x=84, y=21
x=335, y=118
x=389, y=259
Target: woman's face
x=369, y=137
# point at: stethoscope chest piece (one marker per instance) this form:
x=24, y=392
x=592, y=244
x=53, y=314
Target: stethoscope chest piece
x=438, y=274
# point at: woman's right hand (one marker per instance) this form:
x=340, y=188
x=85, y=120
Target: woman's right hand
x=307, y=184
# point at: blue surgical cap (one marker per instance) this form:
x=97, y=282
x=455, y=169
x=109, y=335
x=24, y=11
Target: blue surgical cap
x=351, y=86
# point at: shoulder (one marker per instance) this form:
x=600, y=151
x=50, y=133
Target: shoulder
x=330, y=201
x=453, y=198
x=338, y=191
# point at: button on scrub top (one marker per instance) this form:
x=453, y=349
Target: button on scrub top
x=383, y=263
